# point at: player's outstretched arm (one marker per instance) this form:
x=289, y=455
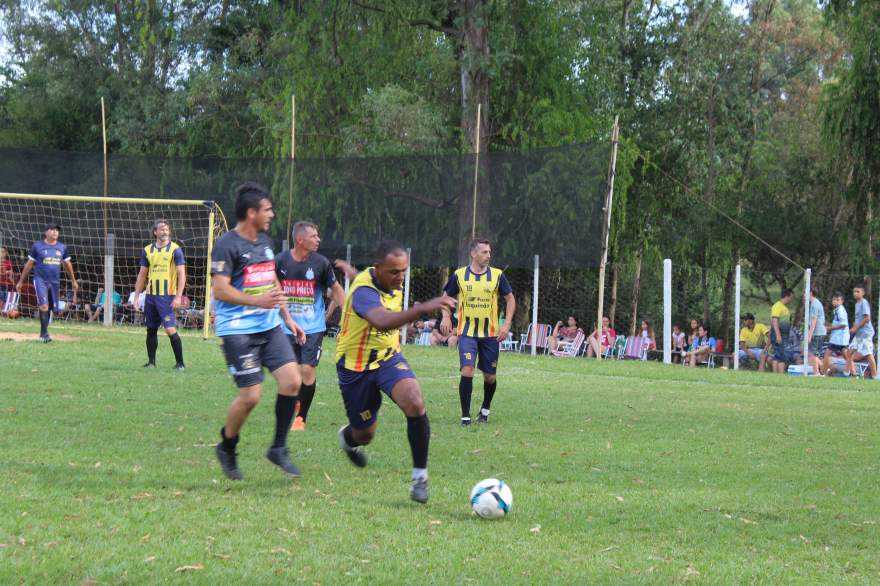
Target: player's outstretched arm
x=224, y=291
x=24, y=275
x=382, y=319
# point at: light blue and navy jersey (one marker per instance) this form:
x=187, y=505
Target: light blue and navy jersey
x=47, y=260
x=304, y=284
x=162, y=262
x=251, y=268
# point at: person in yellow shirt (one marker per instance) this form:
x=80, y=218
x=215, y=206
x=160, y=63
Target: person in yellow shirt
x=780, y=318
x=369, y=362
x=752, y=341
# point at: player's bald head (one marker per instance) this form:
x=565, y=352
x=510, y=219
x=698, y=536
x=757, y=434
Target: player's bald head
x=388, y=248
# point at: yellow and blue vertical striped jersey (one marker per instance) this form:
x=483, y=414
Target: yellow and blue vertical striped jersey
x=162, y=263
x=360, y=346
x=478, y=295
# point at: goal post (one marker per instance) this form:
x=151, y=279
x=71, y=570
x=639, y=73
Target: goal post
x=88, y=223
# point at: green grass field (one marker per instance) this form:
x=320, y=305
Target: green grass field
x=621, y=472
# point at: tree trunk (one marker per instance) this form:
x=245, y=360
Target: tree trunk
x=612, y=300
x=704, y=287
x=473, y=61
x=729, y=282
x=636, y=291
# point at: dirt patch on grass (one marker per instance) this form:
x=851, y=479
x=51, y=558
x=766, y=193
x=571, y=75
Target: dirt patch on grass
x=19, y=337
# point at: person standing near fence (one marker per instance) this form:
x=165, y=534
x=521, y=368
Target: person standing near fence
x=48, y=256
x=478, y=287
x=815, y=332
x=305, y=277
x=780, y=319
x=163, y=274
x=861, y=346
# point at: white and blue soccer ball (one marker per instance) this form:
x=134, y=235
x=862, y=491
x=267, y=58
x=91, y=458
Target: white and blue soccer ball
x=491, y=498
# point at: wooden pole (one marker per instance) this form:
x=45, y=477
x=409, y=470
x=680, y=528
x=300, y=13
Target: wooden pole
x=106, y=166
x=287, y=235
x=476, y=174
x=606, y=227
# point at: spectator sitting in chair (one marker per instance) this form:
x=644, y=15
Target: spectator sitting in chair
x=438, y=338
x=699, y=351
x=7, y=277
x=94, y=310
x=596, y=344
x=752, y=341
x=679, y=343
x=693, y=333
x=564, y=334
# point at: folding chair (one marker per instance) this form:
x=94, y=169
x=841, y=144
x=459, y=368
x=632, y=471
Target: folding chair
x=570, y=349
x=540, y=341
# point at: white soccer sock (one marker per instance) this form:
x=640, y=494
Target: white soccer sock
x=420, y=473
x=484, y=412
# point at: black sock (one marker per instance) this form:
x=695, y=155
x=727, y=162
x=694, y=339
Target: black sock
x=418, y=430
x=228, y=443
x=465, y=390
x=488, y=393
x=44, y=323
x=306, y=394
x=177, y=346
x=284, y=406
x=152, y=344
x=349, y=438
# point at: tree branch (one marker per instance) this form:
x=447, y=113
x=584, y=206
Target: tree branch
x=434, y=26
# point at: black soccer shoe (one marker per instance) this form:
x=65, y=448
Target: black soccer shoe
x=180, y=366
x=150, y=365
x=482, y=418
x=281, y=458
x=418, y=491
x=357, y=455
x=45, y=339
x=228, y=462
x=465, y=421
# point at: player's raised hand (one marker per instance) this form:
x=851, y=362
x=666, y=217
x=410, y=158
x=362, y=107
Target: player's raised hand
x=347, y=268
x=271, y=299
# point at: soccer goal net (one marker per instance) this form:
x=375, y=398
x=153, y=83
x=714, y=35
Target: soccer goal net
x=104, y=237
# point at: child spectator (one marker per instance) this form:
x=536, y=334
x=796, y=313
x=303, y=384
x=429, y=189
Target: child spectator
x=839, y=339
x=679, y=343
x=598, y=343
x=861, y=346
x=649, y=342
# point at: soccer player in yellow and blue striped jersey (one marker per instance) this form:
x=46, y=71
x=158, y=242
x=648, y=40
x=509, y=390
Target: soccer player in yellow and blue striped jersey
x=163, y=272
x=478, y=288
x=369, y=362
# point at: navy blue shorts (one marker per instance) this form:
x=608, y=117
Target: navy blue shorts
x=158, y=311
x=486, y=349
x=362, y=391
x=47, y=292
x=247, y=354
x=310, y=352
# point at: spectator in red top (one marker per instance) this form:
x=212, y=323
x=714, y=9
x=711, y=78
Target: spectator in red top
x=7, y=283
x=564, y=334
x=596, y=344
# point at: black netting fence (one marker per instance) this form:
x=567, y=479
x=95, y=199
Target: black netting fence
x=546, y=202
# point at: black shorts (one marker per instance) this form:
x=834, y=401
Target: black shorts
x=836, y=348
x=362, y=391
x=247, y=354
x=310, y=352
